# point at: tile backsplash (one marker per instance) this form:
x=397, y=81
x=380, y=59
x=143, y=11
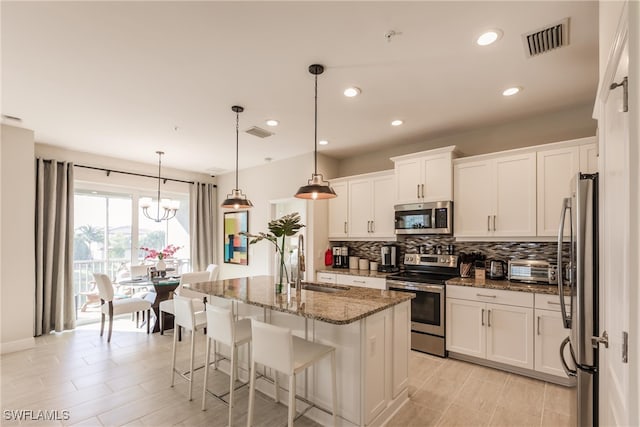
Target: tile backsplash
x=546, y=251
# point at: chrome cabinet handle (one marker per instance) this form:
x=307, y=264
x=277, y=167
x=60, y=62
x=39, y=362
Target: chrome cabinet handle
x=368, y=226
x=359, y=281
x=553, y=303
x=494, y=223
x=486, y=296
x=482, y=318
x=489, y=318
x=418, y=191
x=538, y=325
x=422, y=190
x=345, y=227
x=488, y=222
x=373, y=226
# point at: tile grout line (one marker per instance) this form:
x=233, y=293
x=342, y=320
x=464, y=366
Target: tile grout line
x=453, y=398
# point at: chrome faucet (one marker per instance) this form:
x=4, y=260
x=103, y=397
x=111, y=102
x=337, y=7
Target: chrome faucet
x=301, y=266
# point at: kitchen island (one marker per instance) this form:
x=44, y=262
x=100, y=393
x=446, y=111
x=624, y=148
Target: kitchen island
x=368, y=327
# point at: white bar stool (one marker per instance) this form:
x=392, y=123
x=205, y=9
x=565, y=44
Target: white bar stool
x=221, y=328
x=188, y=318
x=279, y=349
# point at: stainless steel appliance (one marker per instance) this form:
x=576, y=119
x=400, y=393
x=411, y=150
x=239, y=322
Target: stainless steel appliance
x=581, y=316
x=425, y=276
x=389, y=256
x=533, y=271
x=496, y=269
x=424, y=218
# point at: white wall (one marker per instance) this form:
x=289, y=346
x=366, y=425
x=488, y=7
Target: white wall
x=17, y=234
x=551, y=126
x=262, y=185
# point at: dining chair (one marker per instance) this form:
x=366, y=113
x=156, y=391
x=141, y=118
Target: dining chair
x=213, y=270
x=277, y=348
x=113, y=307
x=186, y=317
x=167, y=307
x=222, y=328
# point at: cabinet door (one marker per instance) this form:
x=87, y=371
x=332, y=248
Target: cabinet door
x=373, y=344
x=474, y=198
x=465, y=327
x=510, y=335
x=437, y=178
x=548, y=336
x=338, y=226
x=401, y=340
x=360, y=204
x=383, y=213
x=589, y=158
x=408, y=180
x=555, y=170
x=515, y=211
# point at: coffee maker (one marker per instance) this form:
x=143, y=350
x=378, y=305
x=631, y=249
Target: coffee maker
x=389, y=256
x=340, y=256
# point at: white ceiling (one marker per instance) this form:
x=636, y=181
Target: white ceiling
x=115, y=78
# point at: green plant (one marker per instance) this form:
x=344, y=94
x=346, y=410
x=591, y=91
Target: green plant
x=279, y=230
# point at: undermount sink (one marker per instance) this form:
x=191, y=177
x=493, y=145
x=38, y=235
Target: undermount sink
x=320, y=288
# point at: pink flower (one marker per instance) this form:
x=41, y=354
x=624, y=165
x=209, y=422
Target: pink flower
x=165, y=253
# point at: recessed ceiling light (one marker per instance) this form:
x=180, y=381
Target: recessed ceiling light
x=489, y=37
x=511, y=91
x=350, y=92
x=323, y=142
x=396, y=122
x=272, y=122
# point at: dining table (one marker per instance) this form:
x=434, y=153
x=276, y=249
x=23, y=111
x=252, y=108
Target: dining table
x=163, y=288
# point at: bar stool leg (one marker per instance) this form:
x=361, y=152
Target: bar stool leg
x=206, y=372
x=275, y=381
x=193, y=353
x=252, y=391
x=292, y=398
x=173, y=360
x=232, y=381
x=334, y=388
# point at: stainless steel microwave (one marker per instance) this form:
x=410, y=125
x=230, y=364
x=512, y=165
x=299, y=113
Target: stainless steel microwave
x=424, y=218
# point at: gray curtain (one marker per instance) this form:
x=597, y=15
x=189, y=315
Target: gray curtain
x=202, y=224
x=55, y=302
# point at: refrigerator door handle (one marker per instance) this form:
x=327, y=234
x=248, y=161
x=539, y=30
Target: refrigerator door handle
x=566, y=319
x=570, y=372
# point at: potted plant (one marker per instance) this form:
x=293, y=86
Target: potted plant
x=279, y=230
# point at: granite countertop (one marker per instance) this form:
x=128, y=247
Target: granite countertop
x=345, y=306
x=505, y=285
x=353, y=272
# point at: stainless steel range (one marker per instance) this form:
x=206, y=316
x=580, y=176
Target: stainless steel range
x=425, y=275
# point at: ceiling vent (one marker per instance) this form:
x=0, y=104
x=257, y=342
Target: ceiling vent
x=259, y=132
x=546, y=39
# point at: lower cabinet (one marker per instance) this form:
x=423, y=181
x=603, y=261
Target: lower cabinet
x=364, y=282
x=549, y=335
x=488, y=330
x=323, y=277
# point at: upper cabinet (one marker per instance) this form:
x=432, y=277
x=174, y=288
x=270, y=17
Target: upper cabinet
x=363, y=208
x=518, y=193
x=425, y=176
x=556, y=168
x=495, y=196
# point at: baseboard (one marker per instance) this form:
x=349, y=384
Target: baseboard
x=18, y=345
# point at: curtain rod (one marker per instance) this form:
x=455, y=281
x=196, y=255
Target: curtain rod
x=109, y=171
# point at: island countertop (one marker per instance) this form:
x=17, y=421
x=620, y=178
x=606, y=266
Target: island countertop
x=345, y=306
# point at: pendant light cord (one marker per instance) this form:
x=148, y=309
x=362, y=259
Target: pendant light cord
x=315, y=135
x=159, y=179
x=237, y=145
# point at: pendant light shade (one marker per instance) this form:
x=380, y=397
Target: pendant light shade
x=317, y=187
x=236, y=199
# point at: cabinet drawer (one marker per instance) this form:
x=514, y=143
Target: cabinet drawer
x=550, y=302
x=495, y=296
x=326, y=277
x=365, y=282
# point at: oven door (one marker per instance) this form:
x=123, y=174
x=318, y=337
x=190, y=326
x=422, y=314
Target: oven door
x=427, y=308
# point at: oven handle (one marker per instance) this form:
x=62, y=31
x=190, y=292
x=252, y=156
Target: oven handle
x=413, y=287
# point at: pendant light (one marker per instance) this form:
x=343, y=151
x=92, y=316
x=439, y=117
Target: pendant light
x=237, y=200
x=317, y=187
x=169, y=207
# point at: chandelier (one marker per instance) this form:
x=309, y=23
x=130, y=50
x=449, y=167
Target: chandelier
x=165, y=208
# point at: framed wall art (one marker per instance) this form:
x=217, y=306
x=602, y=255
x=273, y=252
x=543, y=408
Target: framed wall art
x=236, y=247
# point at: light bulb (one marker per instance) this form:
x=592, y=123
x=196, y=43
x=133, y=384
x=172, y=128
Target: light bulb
x=236, y=206
x=314, y=195
x=145, y=202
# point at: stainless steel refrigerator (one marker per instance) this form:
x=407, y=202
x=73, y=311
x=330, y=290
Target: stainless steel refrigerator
x=581, y=282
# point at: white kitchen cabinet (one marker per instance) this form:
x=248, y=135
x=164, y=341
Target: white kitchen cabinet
x=338, y=211
x=360, y=201
x=495, y=196
x=549, y=334
x=488, y=330
x=555, y=169
x=361, y=281
x=425, y=176
x=401, y=339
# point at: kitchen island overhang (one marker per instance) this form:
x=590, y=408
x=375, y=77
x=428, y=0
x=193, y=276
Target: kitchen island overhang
x=370, y=329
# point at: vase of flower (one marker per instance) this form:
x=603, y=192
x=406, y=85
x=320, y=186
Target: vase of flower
x=161, y=265
x=281, y=273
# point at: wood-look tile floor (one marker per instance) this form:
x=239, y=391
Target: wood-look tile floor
x=127, y=382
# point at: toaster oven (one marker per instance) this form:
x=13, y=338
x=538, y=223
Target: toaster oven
x=532, y=271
